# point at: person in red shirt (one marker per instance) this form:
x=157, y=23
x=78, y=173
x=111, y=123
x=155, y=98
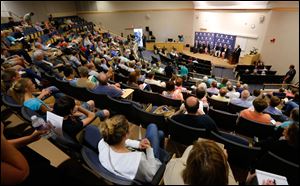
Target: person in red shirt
x=257, y=114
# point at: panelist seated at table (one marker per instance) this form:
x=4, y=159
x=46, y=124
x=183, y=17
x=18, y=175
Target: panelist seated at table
x=225, y=52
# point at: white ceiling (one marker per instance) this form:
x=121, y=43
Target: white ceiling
x=243, y=4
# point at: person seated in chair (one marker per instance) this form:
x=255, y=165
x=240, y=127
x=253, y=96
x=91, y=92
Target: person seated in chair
x=287, y=146
x=272, y=108
x=171, y=92
x=194, y=118
x=76, y=116
x=203, y=163
x=22, y=92
x=117, y=153
x=257, y=114
x=105, y=88
x=83, y=81
x=243, y=101
x=221, y=95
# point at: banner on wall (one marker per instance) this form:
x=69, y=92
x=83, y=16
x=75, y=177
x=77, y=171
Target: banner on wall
x=213, y=39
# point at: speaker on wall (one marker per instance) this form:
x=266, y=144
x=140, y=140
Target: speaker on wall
x=150, y=33
x=147, y=28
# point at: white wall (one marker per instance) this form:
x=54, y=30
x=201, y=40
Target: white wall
x=235, y=22
x=41, y=9
x=164, y=23
x=284, y=27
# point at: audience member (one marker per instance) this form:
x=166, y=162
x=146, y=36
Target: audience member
x=169, y=70
x=204, y=163
x=291, y=104
x=287, y=146
x=213, y=88
x=178, y=85
x=257, y=114
x=272, y=108
x=76, y=116
x=193, y=118
x=105, y=88
x=243, y=101
x=221, y=95
x=223, y=83
x=171, y=92
x=150, y=80
x=231, y=92
x=118, y=159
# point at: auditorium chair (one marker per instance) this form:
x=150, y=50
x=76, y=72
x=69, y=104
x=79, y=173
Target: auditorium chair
x=157, y=89
x=254, y=129
x=121, y=107
x=162, y=100
x=78, y=93
x=144, y=118
x=232, y=108
x=184, y=134
x=142, y=96
x=239, y=152
x=219, y=105
x=223, y=119
x=101, y=100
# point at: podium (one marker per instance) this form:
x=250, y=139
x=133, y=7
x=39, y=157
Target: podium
x=250, y=59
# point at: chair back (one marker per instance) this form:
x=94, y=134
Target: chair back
x=239, y=152
x=156, y=88
x=162, y=100
x=232, y=108
x=145, y=118
x=101, y=100
x=121, y=107
x=78, y=93
x=252, y=128
x=91, y=158
x=120, y=78
x=272, y=163
x=91, y=137
x=220, y=105
x=184, y=134
x=142, y=96
x=10, y=102
x=27, y=113
x=224, y=120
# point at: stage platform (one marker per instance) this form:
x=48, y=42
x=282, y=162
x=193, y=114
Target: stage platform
x=218, y=62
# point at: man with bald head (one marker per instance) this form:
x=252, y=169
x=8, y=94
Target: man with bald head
x=243, y=101
x=105, y=88
x=194, y=118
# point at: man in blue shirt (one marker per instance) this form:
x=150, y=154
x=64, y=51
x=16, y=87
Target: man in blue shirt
x=105, y=88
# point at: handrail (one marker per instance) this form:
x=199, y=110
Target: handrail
x=276, y=84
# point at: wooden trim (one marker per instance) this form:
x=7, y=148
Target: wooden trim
x=234, y=9
x=134, y=11
x=286, y=9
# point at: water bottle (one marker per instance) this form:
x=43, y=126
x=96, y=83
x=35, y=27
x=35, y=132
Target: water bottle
x=39, y=124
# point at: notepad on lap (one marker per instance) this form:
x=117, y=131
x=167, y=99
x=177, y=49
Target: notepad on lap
x=277, y=179
x=56, y=121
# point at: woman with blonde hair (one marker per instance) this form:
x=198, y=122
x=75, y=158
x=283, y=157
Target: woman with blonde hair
x=117, y=155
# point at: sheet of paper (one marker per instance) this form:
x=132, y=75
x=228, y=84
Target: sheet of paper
x=56, y=121
x=277, y=179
